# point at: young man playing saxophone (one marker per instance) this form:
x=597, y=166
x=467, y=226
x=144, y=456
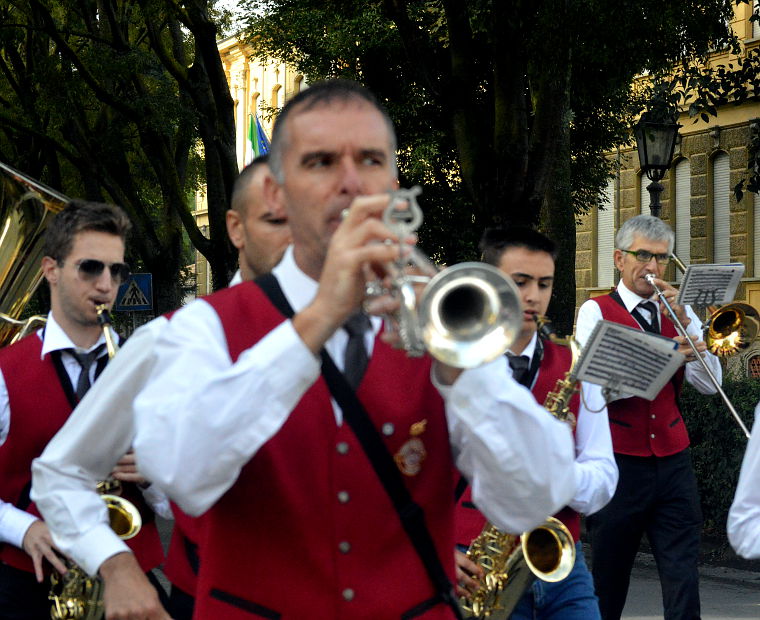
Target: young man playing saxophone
x=64, y=473
x=43, y=377
x=528, y=258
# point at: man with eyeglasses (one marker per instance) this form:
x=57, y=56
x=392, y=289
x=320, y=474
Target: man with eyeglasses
x=42, y=378
x=657, y=490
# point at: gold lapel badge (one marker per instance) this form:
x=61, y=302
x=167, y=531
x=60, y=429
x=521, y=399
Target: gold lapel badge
x=411, y=454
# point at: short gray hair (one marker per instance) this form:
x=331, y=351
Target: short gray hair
x=647, y=226
x=323, y=93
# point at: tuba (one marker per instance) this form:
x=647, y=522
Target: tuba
x=76, y=595
x=26, y=208
x=466, y=315
x=547, y=552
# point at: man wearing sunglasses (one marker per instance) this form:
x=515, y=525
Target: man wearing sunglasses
x=42, y=378
x=657, y=490
x=61, y=489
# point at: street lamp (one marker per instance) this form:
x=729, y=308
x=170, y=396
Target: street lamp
x=656, y=142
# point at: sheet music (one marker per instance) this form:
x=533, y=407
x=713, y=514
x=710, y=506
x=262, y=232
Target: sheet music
x=710, y=285
x=628, y=361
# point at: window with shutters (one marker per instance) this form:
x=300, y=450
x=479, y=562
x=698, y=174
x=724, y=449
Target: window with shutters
x=753, y=367
x=720, y=208
x=644, y=199
x=683, y=210
x=756, y=232
x=605, y=238
x=756, y=23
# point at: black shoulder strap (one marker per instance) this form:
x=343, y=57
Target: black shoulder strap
x=411, y=515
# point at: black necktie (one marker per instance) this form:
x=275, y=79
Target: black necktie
x=519, y=365
x=652, y=325
x=356, y=359
x=85, y=361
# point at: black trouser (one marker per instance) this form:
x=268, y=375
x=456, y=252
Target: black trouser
x=21, y=597
x=657, y=496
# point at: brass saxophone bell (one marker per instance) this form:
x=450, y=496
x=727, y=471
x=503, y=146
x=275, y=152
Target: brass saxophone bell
x=123, y=516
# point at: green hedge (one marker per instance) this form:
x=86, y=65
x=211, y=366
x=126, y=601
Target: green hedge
x=718, y=446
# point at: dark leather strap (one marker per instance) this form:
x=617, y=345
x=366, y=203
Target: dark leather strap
x=411, y=515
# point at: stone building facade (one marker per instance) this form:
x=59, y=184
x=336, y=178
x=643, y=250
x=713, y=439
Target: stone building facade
x=698, y=201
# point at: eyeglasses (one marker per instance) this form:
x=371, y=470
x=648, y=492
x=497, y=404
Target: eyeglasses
x=644, y=256
x=91, y=268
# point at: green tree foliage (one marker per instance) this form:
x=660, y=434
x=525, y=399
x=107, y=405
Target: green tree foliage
x=504, y=109
x=124, y=101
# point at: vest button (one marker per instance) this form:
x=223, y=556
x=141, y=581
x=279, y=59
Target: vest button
x=342, y=447
x=343, y=497
x=348, y=594
x=652, y=435
x=653, y=416
x=344, y=546
x=388, y=429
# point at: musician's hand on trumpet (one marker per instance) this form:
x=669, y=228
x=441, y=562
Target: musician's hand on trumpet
x=671, y=294
x=360, y=247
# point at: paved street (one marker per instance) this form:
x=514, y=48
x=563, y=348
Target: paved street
x=725, y=594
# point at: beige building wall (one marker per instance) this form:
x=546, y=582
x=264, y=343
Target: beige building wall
x=699, y=144
x=258, y=86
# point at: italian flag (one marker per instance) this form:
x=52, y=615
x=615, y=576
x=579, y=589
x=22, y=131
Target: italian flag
x=256, y=140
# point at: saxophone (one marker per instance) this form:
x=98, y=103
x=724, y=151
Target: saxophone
x=547, y=552
x=76, y=595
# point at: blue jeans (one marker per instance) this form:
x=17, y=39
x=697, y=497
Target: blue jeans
x=572, y=598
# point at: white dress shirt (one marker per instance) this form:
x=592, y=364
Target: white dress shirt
x=744, y=516
x=99, y=431
x=590, y=314
x=595, y=466
x=518, y=458
x=15, y=522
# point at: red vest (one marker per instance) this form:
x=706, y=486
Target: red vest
x=640, y=427
x=39, y=407
x=554, y=364
x=307, y=530
x=182, y=559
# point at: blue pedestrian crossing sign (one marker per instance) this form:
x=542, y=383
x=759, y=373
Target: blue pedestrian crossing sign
x=135, y=294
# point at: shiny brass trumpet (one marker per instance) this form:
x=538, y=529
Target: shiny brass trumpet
x=467, y=315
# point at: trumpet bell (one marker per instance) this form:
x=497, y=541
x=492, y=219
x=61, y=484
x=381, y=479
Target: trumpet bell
x=731, y=329
x=123, y=516
x=471, y=313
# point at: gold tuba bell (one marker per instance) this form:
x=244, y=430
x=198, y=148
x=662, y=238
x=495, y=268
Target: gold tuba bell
x=26, y=208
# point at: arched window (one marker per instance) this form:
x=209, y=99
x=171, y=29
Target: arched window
x=683, y=210
x=720, y=208
x=753, y=367
x=605, y=238
x=756, y=23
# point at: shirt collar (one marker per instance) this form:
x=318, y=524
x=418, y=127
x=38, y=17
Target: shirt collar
x=631, y=299
x=55, y=339
x=300, y=289
x=530, y=348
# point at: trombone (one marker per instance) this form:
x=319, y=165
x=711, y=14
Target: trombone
x=736, y=325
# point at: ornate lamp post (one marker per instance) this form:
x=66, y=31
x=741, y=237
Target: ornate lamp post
x=656, y=142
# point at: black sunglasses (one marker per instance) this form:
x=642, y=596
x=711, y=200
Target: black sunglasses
x=91, y=268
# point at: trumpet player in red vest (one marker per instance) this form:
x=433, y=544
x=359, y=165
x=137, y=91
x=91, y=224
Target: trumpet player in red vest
x=298, y=524
x=657, y=491
x=528, y=256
